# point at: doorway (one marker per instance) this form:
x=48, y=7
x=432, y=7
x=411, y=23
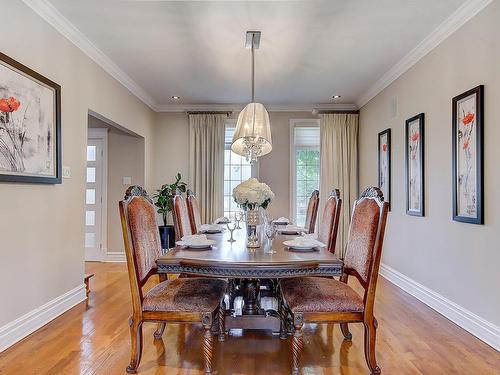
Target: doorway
x=95, y=195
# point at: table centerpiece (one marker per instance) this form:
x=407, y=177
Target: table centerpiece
x=251, y=195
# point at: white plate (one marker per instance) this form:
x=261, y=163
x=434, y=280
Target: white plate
x=282, y=231
x=291, y=244
x=204, y=245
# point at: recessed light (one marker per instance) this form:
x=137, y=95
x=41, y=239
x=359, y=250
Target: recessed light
x=336, y=97
x=175, y=97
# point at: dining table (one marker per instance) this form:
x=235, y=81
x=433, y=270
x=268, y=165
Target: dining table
x=247, y=269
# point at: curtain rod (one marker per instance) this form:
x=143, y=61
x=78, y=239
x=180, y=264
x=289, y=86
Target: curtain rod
x=320, y=112
x=209, y=112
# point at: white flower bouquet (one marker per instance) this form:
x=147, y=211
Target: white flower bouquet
x=252, y=194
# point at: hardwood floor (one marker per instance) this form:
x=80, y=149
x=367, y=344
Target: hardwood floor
x=412, y=339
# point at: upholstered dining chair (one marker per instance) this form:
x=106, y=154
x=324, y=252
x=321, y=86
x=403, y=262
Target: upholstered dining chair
x=193, y=211
x=325, y=300
x=180, y=214
x=312, y=212
x=329, y=223
x=193, y=300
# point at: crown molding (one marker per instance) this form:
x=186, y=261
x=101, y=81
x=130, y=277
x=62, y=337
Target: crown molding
x=456, y=20
x=50, y=14
x=239, y=107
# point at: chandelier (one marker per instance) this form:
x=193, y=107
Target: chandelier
x=252, y=137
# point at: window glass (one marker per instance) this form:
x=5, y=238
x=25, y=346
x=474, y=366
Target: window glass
x=305, y=169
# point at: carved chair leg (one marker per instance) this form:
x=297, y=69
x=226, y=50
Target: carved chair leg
x=297, y=344
x=159, y=331
x=222, y=321
x=208, y=343
x=345, y=331
x=136, y=346
x=370, y=336
x=283, y=315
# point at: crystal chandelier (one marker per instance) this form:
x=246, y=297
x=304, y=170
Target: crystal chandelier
x=252, y=137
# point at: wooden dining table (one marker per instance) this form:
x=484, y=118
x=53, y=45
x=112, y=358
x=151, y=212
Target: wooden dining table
x=248, y=266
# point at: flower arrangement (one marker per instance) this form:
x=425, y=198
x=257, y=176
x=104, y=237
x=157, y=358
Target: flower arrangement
x=252, y=194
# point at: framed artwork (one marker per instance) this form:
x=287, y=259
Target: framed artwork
x=468, y=156
x=30, y=125
x=414, y=149
x=384, y=163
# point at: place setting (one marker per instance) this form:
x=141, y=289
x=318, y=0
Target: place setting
x=195, y=242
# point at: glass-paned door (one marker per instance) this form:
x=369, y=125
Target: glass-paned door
x=93, y=200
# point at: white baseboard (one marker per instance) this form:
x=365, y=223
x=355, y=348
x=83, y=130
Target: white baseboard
x=21, y=327
x=115, y=257
x=479, y=327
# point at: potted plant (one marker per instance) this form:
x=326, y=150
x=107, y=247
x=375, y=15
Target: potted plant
x=164, y=202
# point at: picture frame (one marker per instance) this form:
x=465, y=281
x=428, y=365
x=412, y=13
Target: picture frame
x=384, y=164
x=30, y=120
x=468, y=156
x=414, y=155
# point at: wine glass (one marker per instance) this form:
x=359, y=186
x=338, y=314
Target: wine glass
x=238, y=216
x=270, y=230
x=231, y=230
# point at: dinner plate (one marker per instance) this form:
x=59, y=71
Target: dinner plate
x=212, y=231
x=205, y=245
x=283, y=231
x=291, y=244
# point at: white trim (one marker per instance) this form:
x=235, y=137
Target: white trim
x=479, y=327
x=293, y=173
x=270, y=107
x=102, y=134
x=451, y=24
x=23, y=326
x=50, y=14
x=115, y=257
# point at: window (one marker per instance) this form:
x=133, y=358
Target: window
x=236, y=170
x=305, y=166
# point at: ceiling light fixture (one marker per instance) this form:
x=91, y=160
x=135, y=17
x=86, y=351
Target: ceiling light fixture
x=252, y=137
x=336, y=97
x=175, y=97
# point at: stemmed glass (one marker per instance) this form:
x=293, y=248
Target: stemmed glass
x=238, y=216
x=231, y=230
x=270, y=234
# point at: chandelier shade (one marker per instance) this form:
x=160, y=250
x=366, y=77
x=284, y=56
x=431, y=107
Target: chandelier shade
x=252, y=137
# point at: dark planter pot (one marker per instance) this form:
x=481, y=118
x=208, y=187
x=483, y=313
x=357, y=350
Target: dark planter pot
x=167, y=236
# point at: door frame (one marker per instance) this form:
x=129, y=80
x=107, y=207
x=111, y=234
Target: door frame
x=102, y=134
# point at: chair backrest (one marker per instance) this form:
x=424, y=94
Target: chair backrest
x=141, y=239
x=329, y=223
x=312, y=212
x=366, y=236
x=194, y=211
x=180, y=214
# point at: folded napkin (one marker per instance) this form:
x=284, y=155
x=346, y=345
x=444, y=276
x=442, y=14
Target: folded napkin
x=282, y=220
x=222, y=220
x=292, y=228
x=307, y=241
x=209, y=228
x=194, y=239
x=314, y=236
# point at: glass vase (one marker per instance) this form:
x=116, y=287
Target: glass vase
x=252, y=219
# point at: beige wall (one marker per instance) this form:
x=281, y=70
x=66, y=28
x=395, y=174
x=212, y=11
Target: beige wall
x=172, y=154
x=125, y=159
x=459, y=261
x=41, y=234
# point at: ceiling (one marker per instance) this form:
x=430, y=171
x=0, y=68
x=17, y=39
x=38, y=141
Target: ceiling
x=310, y=50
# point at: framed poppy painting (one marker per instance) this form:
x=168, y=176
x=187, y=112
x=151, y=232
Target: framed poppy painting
x=414, y=149
x=468, y=156
x=384, y=163
x=30, y=125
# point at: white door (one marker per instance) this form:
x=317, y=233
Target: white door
x=94, y=201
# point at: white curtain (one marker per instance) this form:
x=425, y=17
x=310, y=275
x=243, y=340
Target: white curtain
x=339, y=166
x=206, y=163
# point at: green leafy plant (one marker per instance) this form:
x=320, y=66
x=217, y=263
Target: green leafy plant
x=164, y=195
